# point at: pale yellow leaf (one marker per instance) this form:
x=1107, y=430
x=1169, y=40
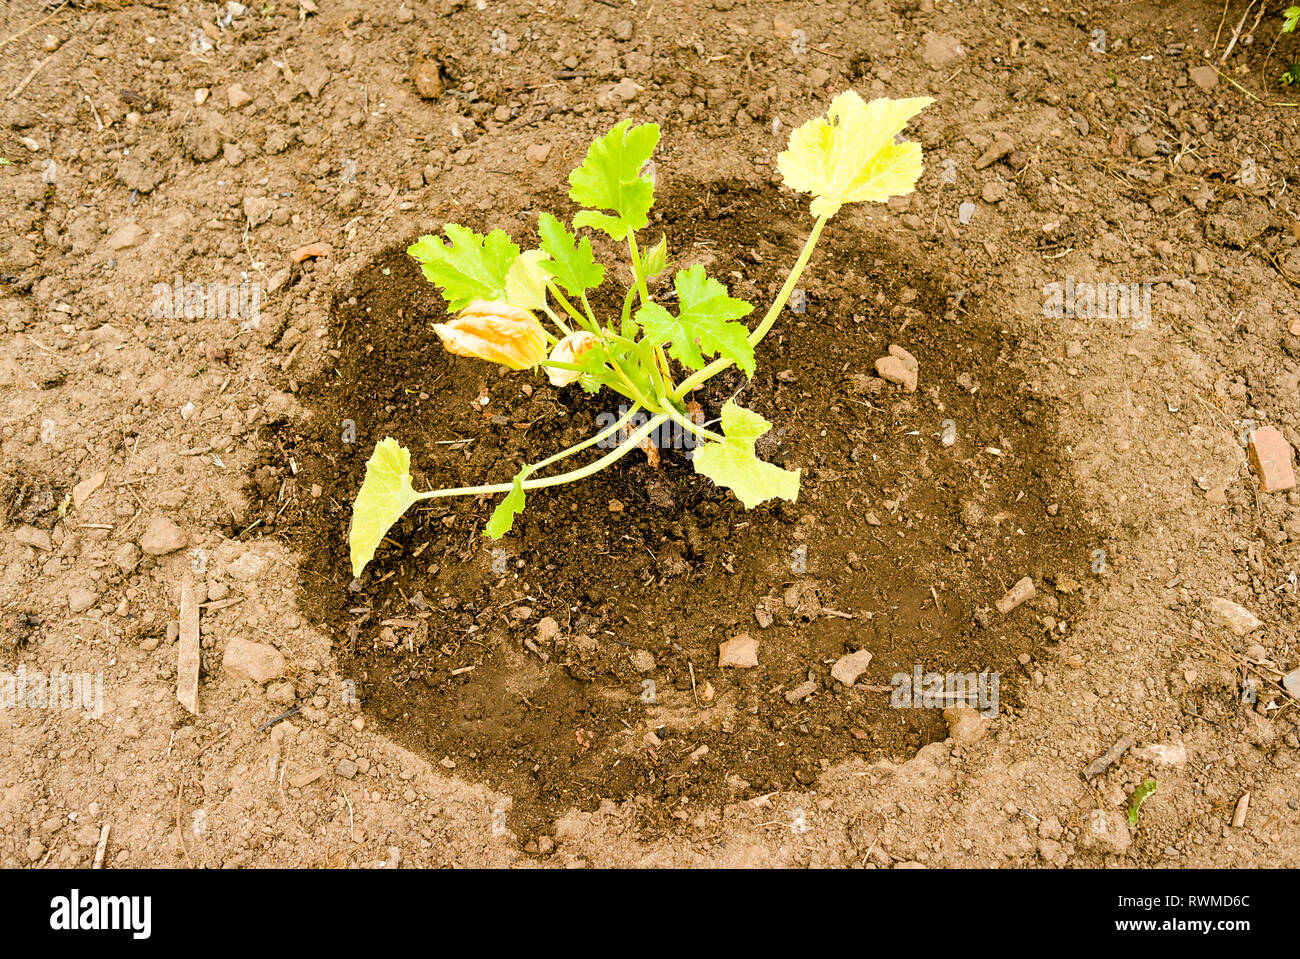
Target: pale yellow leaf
x=385, y=495
x=850, y=156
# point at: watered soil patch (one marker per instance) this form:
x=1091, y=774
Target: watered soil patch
x=899, y=544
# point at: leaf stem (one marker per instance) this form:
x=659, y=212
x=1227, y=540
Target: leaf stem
x=720, y=364
x=572, y=476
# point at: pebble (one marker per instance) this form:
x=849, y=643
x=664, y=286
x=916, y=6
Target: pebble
x=126, y=557
x=1164, y=754
x=1291, y=682
x=1204, y=77
x=965, y=725
x=1001, y=147
x=86, y=488
x=1270, y=458
x=994, y=191
x=849, y=667
x=81, y=599
x=642, y=661
x=253, y=661
x=623, y=30
x=1237, y=618
x=161, y=537
x=127, y=236
x=36, y=538
x=739, y=652
x=899, y=367
x=1105, y=830
x=238, y=97
x=1023, y=590
x=939, y=51
x=346, y=768
x=801, y=692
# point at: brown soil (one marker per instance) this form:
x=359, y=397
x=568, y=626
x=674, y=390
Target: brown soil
x=906, y=542
x=182, y=142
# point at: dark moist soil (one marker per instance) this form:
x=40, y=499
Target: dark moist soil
x=910, y=540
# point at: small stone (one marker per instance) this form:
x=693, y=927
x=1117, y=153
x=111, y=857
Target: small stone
x=849, y=667
x=162, y=536
x=547, y=629
x=305, y=778
x=247, y=567
x=994, y=192
x=537, y=153
x=1237, y=618
x=81, y=599
x=127, y=236
x=1001, y=147
x=33, y=537
x=1017, y=594
x=739, y=652
x=894, y=370
x=1270, y=458
x=965, y=725
x=1144, y=146
x=642, y=661
x=281, y=693
x=801, y=692
x=623, y=30
x=1105, y=830
x=1291, y=682
x=908, y=359
x=426, y=77
x=83, y=490
x=626, y=89
x=939, y=52
x=346, y=768
x=258, y=209
x=1164, y=754
x=1204, y=77
x=238, y=97
x=126, y=557
x=253, y=661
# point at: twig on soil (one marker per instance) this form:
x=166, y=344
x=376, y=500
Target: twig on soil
x=1109, y=757
x=102, y=848
x=1232, y=41
x=32, y=26
x=279, y=719
x=22, y=85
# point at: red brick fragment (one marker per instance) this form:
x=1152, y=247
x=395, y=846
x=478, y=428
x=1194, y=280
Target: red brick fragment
x=1270, y=458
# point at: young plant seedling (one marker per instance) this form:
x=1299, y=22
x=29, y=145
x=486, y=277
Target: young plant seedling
x=501, y=295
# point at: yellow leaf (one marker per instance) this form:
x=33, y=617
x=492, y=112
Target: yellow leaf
x=849, y=155
x=385, y=495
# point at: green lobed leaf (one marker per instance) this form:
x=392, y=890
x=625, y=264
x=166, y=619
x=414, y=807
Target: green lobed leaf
x=734, y=465
x=385, y=494
x=471, y=267
x=526, y=281
x=705, y=323
x=610, y=179
x=572, y=264
x=502, y=519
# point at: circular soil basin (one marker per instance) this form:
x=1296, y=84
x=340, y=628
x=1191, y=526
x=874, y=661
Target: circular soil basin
x=898, y=544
